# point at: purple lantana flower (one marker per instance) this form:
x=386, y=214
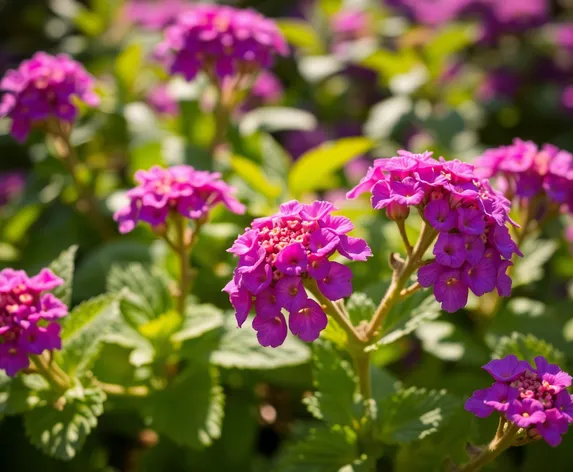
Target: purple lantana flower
x=524, y=171
x=28, y=317
x=473, y=247
x=220, y=40
x=44, y=88
x=278, y=255
x=532, y=399
x=179, y=189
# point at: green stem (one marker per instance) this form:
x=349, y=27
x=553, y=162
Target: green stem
x=222, y=116
x=183, y=252
x=400, y=278
x=55, y=376
x=362, y=366
x=120, y=390
x=87, y=201
x=402, y=228
x=499, y=444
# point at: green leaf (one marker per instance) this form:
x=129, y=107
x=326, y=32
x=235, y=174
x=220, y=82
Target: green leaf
x=240, y=349
x=449, y=443
x=84, y=330
x=190, y=410
x=22, y=393
x=302, y=35
x=405, y=317
x=88, y=22
x=63, y=267
x=412, y=414
x=159, y=331
x=128, y=65
x=527, y=347
x=536, y=252
x=255, y=177
x=310, y=171
x=448, y=41
x=200, y=319
x=335, y=382
x=62, y=433
x=385, y=116
x=360, y=307
x=145, y=292
x=323, y=450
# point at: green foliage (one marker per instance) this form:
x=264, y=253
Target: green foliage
x=240, y=349
x=323, y=450
x=335, y=383
x=405, y=317
x=412, y=414
x=432, y=454
x=196, y=421
x=145, y=294
x=360, y=308
x=536, y=252
x=22, y=393
x=301, y=34
x=318, y=165
x=60, y=430
x=84, y=330
x=527, y=347
x=63, y=267
x=254, y=175
x=128, y=65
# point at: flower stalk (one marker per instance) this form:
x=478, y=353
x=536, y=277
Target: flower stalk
x=51, y=371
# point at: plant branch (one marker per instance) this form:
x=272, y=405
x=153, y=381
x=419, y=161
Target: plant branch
x=52, y=372
x=402, y=227
x=400, y=278
x=120, y=390
x=183, y=252
x=501, y=442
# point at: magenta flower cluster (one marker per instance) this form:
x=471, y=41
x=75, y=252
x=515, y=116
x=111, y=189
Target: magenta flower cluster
x=535, y=399
x=277, y=255
x=473, y=247
x=12, y=184
x=525, y=171
x=43, y=88
x=27, y=317
x=181, y=189
x=221, y=40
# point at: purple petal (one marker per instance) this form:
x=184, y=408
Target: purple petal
x=308, y=322
x=354, y=249
x=507, y=369
x=270, y=331
x=292, y=260
x=338, y=283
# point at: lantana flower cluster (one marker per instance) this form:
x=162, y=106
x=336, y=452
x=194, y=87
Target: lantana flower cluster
x=473, y=248
x=278, y=255
x=525, y=171
x=43, y=88
x=181, y=189
x=12, y=184
x=221, y=40
x=28, y=317
x=535, y=399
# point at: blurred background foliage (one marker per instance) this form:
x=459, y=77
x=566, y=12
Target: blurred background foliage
x=414, y=75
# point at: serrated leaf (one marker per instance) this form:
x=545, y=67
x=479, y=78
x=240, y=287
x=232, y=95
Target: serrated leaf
x=85, y=329
x=405, y=317
x=335, y=383
x=312, y=168
x=63, y=267
x=240, y=349
x=62, y=433
x=529, y=268
x=145, y=292
x=360, y=308
x=323, y=450
x=197, y=421
x=449, y=443
x=527, y=347
x=412, y=414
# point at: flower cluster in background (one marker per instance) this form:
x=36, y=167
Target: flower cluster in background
x=526, y=172
x=11, y=185
x=44, y=87
x=220, y=40
x=181, y=189
x=28, y=317
x=277, y=255
x=474, y=247
x=535, y=399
